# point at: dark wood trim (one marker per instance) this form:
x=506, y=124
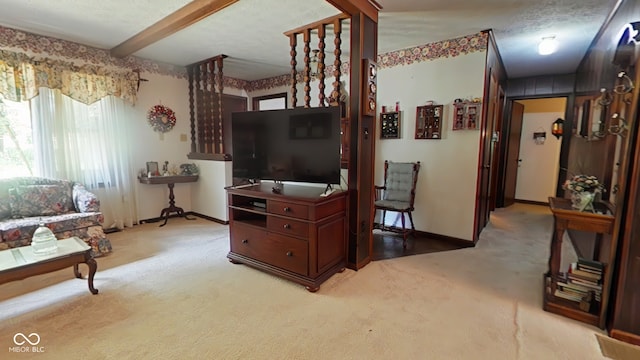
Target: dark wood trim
x=207, y=217
x=257, y=99
x=187, y=15
x=428, y=235
x=530, y=202
x=362, y=136
x=624, y=307
x=495, y=78
x=316, y=24
x=187, y=213
x=625, y=336
x=370, y=8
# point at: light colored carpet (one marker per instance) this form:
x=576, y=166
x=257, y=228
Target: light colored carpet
x=170, y=293
x=616, y=349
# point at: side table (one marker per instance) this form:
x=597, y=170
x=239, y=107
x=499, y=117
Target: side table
x=170, y=181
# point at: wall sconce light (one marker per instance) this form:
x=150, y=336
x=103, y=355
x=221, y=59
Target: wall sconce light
x=556, y=128
x=540, y=137
x=548, y=45
x=313, y=63
x=625, y=85
x=620, y=128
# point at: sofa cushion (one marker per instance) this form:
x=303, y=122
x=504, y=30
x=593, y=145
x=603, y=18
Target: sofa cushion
x=84, y=200
x=16, y=229
x=40, y=200
x=18, y=232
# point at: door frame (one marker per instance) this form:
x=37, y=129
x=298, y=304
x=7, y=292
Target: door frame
x=564, y=146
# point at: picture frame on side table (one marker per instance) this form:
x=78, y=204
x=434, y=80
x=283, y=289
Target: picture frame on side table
x=152, y=168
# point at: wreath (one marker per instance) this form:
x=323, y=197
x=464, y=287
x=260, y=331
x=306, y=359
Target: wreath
x=161, y=118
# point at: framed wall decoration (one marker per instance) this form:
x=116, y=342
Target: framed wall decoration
x=429, y=122
x=390, y=125
x=161, y=118
x=369, y=102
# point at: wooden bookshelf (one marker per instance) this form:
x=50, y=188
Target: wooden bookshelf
x=566, y=218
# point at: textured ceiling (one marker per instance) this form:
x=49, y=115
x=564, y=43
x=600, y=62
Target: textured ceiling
x=250, y=32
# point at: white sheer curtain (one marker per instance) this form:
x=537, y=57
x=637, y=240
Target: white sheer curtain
x=89, y=144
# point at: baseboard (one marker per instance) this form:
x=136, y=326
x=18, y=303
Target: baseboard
x=530, y=202
x=157, y=219
x=625, y=336
x=206, y=217
x=452, y=240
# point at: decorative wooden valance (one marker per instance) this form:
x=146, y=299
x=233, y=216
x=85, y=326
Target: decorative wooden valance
x=205, y=109
x=319, y=27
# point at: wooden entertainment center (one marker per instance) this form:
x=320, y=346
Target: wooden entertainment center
x=293, y=232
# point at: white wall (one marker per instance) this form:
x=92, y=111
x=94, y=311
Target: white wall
x=538, y=170
x=446, y=189
x=153, y=146
x=207, y=195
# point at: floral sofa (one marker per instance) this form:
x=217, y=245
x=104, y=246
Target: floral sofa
x=65, y=207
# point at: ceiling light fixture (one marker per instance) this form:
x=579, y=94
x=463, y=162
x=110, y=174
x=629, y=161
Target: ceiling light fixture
x=548, y=45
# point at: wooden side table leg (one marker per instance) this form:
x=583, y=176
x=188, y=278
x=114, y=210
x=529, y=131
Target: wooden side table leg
x=556, y=248
x=93, y=266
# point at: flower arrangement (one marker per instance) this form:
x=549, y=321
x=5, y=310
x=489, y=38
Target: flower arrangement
x=580, y=183
x=161, y=118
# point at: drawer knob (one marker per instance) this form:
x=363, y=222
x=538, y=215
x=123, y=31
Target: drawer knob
x=287, y=226
x=245, y=241
x=287, y=209
x=289, y=253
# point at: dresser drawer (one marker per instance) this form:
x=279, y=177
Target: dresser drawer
x=288, y=209
x=244, y=239
x=286, y=252
x=288, y=226
x=278, y=250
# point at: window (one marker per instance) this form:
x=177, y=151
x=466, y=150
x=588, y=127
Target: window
x=270, y=102
x=16, y=141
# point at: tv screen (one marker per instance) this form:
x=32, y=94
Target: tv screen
x=301, y=144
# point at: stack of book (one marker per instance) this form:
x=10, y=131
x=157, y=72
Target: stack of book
x=582, y=283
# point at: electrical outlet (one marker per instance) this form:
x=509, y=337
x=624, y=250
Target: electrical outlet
x=183, y=137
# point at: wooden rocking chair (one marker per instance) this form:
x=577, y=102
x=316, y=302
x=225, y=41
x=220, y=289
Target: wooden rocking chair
x=398, y=195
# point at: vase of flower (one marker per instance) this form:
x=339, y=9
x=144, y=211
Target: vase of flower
x=583, y=191
x=583, y=200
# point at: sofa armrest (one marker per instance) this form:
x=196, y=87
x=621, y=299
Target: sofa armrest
x=84, y=200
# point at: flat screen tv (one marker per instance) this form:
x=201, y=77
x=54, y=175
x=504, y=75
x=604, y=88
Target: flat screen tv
x=301, y=144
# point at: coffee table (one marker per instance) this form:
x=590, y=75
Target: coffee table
x=20, y=263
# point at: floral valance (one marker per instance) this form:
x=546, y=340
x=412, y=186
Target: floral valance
x=21, y=76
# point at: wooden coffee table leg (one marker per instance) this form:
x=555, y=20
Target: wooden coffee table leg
x=93, y=266
x=76, y=271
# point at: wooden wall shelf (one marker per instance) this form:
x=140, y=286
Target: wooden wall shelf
x=466, y=115
x=429, y=122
